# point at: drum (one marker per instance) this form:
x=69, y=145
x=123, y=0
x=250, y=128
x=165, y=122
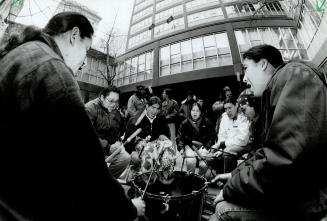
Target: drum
x=179, y=197
x=150, y=151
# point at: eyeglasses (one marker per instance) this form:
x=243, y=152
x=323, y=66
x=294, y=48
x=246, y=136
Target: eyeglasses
x=112, y=101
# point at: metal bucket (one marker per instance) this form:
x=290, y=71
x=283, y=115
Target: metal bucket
x=180, y=197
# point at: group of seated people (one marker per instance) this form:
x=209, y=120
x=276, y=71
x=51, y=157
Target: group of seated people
x=146, y=136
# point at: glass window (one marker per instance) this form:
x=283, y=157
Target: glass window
x=164, y=60
x=175, y=53
x=224, y=54
x=167, y=13
x=186, y=56
x=143, y=13
x=164, y=70
x=282, y=38
x=175, y=25
x=254, y=37
x=186, y=50
x=142, y=5
x=148, y=65
x=209, y=45
x=132, y=79
x=193, y=54
x=166, y=3
x=141, y=25
x=205, y=16
x=134, y=65
x=210, y=50
x=141, y=63
x=164, y=56
x=197, y=4
x=175, y=68
x=197, y=46
x=128, y=67
x=231, y=11
x=139, y=39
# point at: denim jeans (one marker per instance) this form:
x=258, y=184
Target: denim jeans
x=226, y=211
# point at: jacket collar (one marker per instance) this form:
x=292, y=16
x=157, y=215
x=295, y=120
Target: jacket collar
x=47, y=39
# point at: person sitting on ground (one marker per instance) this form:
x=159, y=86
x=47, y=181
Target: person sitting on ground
x=152, y=127
x=196, y=130
x=232, y=138
x=110, y=126
x=285, y=179
x=249, y=105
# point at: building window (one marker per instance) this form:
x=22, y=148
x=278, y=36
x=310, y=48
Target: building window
x=170, y=12
x=284, y=39
x=197, y=4
x=139, y=39
x=186, y=56
x=136, y=69
x=142, y=14
x=256, y=9
x=141, y=25
x=205, y=16
x=166, y=3
x=142, y=5
x=174, y=25
x=193, y=54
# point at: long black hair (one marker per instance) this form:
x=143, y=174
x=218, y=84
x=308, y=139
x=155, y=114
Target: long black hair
x=58, y=24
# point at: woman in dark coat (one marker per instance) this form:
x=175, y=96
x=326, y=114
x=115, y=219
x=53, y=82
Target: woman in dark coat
x=195, y=135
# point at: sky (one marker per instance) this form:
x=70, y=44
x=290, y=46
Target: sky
x=38, y=12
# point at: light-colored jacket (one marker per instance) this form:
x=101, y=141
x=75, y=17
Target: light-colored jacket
x=234, y=132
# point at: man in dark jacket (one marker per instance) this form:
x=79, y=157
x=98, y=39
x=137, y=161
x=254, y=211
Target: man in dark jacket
x=169, y=111
x=152, y=126
x=136, y=103
x=51, y=162
x=272, y=185
x=110, y=126
x=185, y=109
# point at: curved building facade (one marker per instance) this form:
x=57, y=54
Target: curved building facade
x=198, y=44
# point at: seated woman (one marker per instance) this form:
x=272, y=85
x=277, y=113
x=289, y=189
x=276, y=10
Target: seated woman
x=196, y=130
x=250, y=107
x=152, y=140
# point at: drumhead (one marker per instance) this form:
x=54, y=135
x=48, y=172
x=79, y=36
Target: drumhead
x=183, y=186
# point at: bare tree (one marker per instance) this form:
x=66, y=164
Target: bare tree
x=112, y=44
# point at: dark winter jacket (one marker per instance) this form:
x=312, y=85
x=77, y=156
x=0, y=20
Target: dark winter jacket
x=185, y=109
x=51, y=162
x=108, y=125
x=169, y=110
x=189, y=132
x=155, y=129
x=290, y=170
